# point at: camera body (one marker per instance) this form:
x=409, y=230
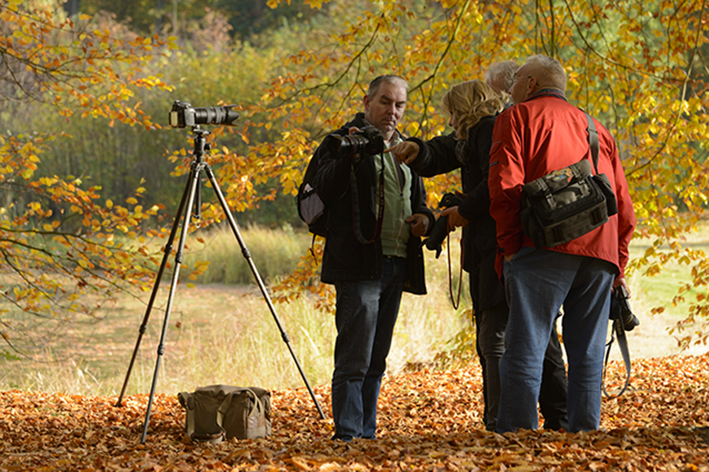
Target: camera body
x=365, y=142
x=440, y=227
x=621, y=310
x=182, y=115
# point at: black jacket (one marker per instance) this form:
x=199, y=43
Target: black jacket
x=346, y=258
x=444, y=154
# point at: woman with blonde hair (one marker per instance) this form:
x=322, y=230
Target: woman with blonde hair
x=469, y=102
x=472, y=107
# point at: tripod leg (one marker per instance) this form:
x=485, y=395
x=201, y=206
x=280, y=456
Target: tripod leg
x=247, y=255
x=193, y=185
x=144, y=324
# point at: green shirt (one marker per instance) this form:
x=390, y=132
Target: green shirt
x=397, y=204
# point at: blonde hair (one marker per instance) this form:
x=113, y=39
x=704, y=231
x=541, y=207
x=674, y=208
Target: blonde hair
x=471, y=101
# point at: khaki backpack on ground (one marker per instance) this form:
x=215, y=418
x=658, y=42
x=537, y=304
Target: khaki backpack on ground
x=220, y=412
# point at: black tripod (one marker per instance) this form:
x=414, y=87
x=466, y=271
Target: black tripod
x=190, y=197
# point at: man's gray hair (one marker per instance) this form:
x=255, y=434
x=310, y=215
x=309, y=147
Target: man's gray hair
x=501, y=74
x=389, y=78
x=548, y=71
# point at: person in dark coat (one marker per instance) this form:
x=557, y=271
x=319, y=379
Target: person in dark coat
x=376, y=216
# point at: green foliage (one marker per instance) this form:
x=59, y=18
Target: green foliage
x=218, y=332
x=243, y=19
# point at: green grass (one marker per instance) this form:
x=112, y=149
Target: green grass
x=274, y=252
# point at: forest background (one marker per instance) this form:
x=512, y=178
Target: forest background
x=92, y=175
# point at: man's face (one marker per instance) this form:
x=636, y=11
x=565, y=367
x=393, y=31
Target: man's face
x=524, y=85
x=385, y=109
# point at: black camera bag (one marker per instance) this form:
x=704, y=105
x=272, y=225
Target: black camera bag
x=568, y=203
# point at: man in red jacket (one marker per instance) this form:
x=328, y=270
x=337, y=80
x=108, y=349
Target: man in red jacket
x=542, y=133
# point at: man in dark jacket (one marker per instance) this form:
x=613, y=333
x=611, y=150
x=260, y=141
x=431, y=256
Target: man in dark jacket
x=377, y=214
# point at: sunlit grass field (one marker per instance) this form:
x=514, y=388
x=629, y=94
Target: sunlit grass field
x=221, y=330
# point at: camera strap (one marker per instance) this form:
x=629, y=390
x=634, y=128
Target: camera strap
x=355, y=207
x=455, y=301
x=618, y=330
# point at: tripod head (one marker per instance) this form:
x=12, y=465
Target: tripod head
x=200, y=143
x=200, y=147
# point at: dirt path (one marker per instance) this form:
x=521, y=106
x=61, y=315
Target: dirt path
x=651, y=339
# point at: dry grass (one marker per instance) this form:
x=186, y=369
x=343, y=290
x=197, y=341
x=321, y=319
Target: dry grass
x=220, y=333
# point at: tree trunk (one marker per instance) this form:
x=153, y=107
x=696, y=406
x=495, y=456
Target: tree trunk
x=71, y=7
x=159, y=15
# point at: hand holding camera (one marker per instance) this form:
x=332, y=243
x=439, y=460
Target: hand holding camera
x=440, y=228
x=365, y=142
x=621, y=310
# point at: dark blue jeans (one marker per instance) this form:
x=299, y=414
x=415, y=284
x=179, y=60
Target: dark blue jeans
x=538, y=282
x=365, y=316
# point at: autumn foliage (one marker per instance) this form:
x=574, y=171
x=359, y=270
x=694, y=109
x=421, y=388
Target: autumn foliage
x=62, y=253
x=427, y=421
x=640, y=68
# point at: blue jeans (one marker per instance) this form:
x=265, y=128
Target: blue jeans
x=365, y=316
x=537, y=283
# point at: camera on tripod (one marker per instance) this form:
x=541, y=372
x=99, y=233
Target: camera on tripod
x=182, y=115
x=366, y=142
x=440, y=227
x=620, y=309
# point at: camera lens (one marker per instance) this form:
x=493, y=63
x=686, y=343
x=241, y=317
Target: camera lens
x=215, y=115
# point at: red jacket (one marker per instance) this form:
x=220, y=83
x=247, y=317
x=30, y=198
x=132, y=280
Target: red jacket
x=543, y=134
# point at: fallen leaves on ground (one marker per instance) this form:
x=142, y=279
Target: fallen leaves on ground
x=428, y=420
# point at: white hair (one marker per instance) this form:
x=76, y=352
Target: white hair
x=548, y=71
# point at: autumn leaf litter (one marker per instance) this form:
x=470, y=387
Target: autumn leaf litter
x=428, y=420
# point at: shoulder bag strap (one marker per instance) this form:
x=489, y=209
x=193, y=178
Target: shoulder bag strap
x=548, y=196
x=187, y=402
x=593, y=140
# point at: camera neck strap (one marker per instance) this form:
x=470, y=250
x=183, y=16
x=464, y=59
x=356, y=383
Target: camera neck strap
x=356, y=211
x=618, y=330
